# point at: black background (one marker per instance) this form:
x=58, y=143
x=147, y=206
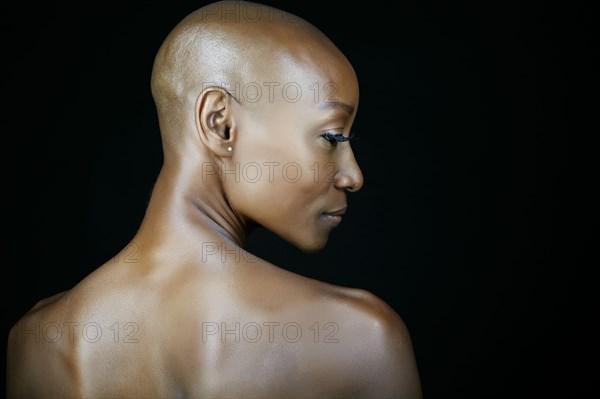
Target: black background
x=476, y=216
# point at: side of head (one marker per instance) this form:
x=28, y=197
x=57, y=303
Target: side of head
x=245, y=102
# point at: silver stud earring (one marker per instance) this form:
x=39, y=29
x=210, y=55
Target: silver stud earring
x=229, y=149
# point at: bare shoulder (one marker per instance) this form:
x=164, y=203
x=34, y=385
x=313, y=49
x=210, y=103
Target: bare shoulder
x=53, y=345
x=380, y=343
x=35, y=353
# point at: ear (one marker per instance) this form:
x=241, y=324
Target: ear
x=214, y=121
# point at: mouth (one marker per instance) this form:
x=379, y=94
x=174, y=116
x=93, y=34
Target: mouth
x=334, y=217
x=340, y=212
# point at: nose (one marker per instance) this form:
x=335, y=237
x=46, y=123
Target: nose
x=349, y=176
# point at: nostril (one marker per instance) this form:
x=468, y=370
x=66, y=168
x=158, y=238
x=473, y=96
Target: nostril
x=357, y=185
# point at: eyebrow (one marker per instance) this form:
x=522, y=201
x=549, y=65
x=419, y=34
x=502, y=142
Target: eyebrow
x=337, y=104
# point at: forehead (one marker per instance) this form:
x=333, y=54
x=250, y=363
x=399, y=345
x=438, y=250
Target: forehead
x=328, y=84
x=299, y=73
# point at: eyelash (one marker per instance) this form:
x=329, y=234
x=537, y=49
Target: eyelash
x=333, y=139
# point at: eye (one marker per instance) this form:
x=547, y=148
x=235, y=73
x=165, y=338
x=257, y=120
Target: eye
x=334, y=138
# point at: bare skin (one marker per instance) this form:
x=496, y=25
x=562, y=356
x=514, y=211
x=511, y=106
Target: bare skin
x=184, y=310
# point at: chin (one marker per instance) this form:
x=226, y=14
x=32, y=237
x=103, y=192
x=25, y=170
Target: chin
x=313, y=246
x=308, y=241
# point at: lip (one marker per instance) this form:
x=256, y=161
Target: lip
x=339, y=212
x=334, y=217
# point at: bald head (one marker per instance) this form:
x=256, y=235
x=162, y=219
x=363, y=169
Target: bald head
x=245, y=48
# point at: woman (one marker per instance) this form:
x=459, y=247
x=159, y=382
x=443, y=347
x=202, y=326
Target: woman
x=255, y=109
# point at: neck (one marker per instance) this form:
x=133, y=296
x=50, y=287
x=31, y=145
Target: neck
x=185, y=213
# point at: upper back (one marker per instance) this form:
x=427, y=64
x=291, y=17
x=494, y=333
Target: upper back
x=193, y=332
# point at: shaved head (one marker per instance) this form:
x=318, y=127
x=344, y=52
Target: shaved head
x=248, y=49
x=248, y=98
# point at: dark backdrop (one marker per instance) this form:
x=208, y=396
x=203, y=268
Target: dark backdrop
x=476, y=210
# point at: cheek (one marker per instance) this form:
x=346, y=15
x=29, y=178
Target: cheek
x=276, y=192
x=280, y=183
x=285, y=177
x=288, y=208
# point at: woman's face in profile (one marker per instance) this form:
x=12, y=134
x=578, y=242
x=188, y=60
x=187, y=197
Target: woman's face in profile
x=292, y=177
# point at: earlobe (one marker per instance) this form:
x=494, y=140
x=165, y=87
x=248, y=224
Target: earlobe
x=213, y=120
